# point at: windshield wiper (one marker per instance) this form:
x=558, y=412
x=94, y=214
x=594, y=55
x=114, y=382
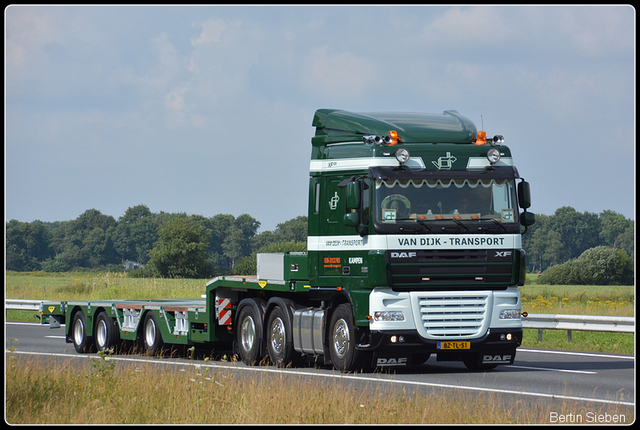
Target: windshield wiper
x=503, y=228
x=415, y=229
x=423, y=223
x=461, y=224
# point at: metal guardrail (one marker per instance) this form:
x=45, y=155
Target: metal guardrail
x=23, y=305
x=531, y=321
x=578, y=322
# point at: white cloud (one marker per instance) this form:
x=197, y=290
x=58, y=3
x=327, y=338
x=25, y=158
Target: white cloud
x=211, y=32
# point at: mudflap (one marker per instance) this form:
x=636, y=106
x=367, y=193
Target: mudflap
x=391, y=360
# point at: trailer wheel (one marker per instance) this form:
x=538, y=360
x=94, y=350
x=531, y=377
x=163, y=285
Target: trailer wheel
x=81, y=341
x=279, y=338
x=151, y=335
x=249, y=335
x=106, y=332
x=342, y=341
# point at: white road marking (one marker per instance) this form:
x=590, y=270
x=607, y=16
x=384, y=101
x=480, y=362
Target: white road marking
x=550, y=369
x=582, y=354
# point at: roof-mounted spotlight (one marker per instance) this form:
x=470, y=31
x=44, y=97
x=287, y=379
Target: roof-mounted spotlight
x=493, y=155
x=402, y=155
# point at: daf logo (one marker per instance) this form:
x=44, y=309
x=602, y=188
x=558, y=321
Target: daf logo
x=402, y=361
x=502, y=253
x=496, y=358
x=403, y=254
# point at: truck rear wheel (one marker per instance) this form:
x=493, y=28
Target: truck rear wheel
x=151, y=335
x=106, y=332
x=342, y=341
x=250, y=333
x=81, y=341
x=279, y=338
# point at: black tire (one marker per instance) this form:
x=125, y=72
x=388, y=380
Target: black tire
x=342, y=342
x=106, y=333
x=280, y=338
x=151, y=336
x=81, y=342
x=250, y=333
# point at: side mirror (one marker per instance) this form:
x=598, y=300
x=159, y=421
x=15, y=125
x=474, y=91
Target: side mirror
x=524, y=195
x=352, y=219
x=527, y=219
x=353, y=195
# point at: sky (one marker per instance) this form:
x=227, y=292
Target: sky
x=208, y=109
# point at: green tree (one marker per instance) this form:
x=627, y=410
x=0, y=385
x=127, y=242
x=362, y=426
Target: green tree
x=181, y=250
x=293, y=230
x=601, y=265
x=85, y=242
x=27, y=245
x=234, y=244
x=135, y=234
x=578, y=231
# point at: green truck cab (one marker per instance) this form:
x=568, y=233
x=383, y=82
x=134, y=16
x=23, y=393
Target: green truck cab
x=414, y=248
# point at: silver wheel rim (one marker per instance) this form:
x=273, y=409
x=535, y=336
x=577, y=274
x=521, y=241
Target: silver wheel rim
x=150, y=333
x=341, y=337
x=277, y=335
x=78, y=331
x=101, y=334
x=247, y=333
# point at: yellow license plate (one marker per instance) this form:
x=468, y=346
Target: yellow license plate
x=454, y=345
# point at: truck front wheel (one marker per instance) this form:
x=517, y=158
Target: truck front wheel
x=342, y=341
x=81, y=341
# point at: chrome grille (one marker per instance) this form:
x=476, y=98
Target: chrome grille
x=448, y=315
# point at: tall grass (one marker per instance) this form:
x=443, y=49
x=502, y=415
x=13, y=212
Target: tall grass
x=43, y=392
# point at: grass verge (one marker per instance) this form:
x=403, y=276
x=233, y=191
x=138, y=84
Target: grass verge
x=42, y=392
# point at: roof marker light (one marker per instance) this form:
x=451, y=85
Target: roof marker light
x=482, y=138
x=392, y=138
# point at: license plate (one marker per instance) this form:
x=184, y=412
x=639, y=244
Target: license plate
x=454, y=345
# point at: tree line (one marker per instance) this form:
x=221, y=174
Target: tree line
x=167, y=244
x=177, y=244
x=565, y=235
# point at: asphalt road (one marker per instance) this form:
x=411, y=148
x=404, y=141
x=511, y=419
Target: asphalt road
x=591, y=379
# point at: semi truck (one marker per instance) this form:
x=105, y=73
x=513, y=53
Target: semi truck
x=414, y=249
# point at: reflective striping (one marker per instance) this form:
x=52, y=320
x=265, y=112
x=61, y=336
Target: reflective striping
x=223, y=312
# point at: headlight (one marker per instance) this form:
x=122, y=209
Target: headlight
x=388, y=316
x=509, y=314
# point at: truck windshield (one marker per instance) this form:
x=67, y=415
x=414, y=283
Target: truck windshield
x=434, y=203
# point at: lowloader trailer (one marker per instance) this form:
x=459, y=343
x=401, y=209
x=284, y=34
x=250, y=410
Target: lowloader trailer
x=414, y=248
